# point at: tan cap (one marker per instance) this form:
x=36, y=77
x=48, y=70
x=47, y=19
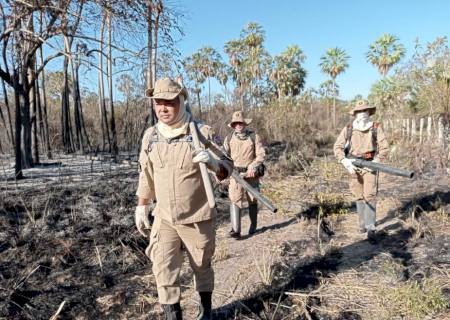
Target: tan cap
x=166, y=89
x=238, y=117
x=362, y=105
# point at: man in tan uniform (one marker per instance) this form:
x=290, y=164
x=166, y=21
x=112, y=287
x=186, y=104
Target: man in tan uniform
x=170, y=174
x=245, y=147
x=363, y=139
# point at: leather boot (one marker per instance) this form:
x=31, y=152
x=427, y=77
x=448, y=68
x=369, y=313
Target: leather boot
x=205, y=308
x=172, y=311
x=253, y=215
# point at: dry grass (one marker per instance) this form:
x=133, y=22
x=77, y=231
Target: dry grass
x=222, y=252
x=332, y=204
x=332, y=171
x=265, y=265
x=277, y=195
x=378, y=294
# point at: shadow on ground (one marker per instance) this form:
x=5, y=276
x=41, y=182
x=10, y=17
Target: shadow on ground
x=306, y=276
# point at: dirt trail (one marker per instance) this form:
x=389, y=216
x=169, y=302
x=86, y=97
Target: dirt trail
x=76, y=242
x=293, y=242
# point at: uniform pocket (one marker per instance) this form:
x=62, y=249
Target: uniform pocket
x=155, y=157
x=204, y=251
x=154, y=248
x=186, y=155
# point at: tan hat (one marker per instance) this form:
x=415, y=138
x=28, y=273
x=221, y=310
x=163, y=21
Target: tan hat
x=238, y=117
x=362, y=105
x=166, y=89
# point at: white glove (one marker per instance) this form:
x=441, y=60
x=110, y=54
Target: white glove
x=348, y=164
x=207, y=158
x=141, y=219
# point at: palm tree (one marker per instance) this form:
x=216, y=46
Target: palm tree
x=288, y=73
x=257, y=60
x=236, y=56
x=389, y=93
x=249, y=60
x=328, y=89
x=333, y=63
x=210, y=64
x=194, y=70
x=385, y=52
x=222, y=76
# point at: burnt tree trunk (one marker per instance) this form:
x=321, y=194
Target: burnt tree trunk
x=33, y=107
x=8, y=111
x=114, y=148
x=66, y=128
x=101, y=93
x=46, y=136
x=18, y=125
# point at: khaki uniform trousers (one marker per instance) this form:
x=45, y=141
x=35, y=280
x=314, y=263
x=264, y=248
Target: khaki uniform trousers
x=165, y=251
x=364, y=185
x=238, y=195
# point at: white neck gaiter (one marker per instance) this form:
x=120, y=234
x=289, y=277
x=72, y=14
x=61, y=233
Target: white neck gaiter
x=179, y=126
x=362, y=121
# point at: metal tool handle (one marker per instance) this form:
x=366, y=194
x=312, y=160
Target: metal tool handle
x=203, y=169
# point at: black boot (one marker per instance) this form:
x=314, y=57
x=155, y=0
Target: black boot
x=253, y=215
x=205, y=308
x=234, y=234
x=172, y=311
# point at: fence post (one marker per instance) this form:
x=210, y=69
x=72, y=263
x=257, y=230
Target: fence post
x=408, y=132
x=441, y=132
x=422, y=122
x=403, y=127
x=429, y=129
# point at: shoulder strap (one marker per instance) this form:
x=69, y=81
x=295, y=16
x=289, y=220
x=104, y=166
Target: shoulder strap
x=348, y=135
x=375, y=134
x=348, y=138
x=153, y=138
x=228, y=137
x=253, y=137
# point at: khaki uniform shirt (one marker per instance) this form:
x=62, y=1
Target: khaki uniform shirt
x=245, y=153
x=169, y=176
x=361, y=143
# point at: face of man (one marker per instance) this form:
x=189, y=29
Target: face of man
x=166, y=110
x=239, y=127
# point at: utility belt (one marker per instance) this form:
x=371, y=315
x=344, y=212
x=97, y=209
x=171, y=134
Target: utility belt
x=368, y=156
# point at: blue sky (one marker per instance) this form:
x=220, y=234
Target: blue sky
x=316, y=26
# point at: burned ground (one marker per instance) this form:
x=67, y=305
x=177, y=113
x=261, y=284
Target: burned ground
x=71, y=239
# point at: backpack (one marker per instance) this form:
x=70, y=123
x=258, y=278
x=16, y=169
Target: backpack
x=348, y=137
